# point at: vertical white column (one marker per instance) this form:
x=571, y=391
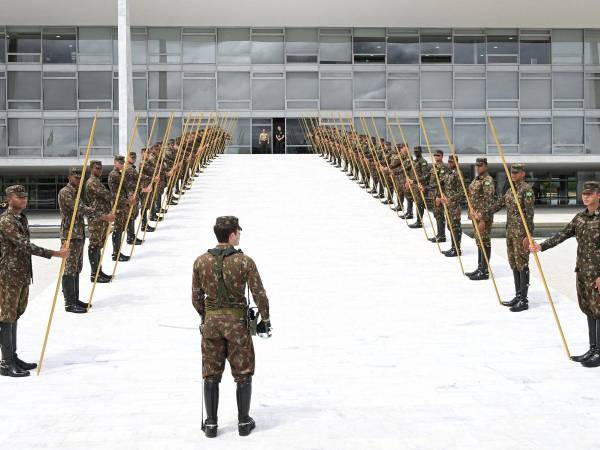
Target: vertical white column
x=125, y=77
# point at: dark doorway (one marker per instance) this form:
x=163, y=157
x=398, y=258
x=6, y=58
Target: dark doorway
x=279, y=137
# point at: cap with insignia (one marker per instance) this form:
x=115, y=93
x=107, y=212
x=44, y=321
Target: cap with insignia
x=17, y=189
x=75, y=172
x=132, y=154
x=120, y=159
x=589, y=187
x=228, y=222
x=481, y=161
x=516, y=168
x=95, y=163
x=439, y=153
x=453, y=158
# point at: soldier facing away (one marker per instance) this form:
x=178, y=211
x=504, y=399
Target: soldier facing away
x=585, y=226
x=218, y=294
x=15, y=276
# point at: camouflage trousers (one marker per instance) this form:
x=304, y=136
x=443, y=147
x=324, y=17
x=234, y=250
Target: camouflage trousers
x=97, y=232
x=74, y=263
x=226, y=337
x=518, y=257
x=486, y=233
x=13, y=301
x=454, y=225
x=120, y=219
x=588, y=296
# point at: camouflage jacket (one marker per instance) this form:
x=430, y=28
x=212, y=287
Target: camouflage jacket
x=130, y=182
x=114, y=179
x=585, y=226
x=481, y=194
x=66, y=203
x=514, y=224
x=421, y=169
x=16, y=250
x=453, y=189
x=148, y=170
x=239, y=270
x=97, y=195
x=432, y=187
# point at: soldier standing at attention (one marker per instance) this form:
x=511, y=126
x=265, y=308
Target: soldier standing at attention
x=74, y=263
x=585, y=226
x=15, y=276
x=432, y=191
x=452, y=198
x=98, y=197
x=421, y=168
x=219, y=280
x=518, y=255
x=129, y=184
x=481, y=193
x=123, y=203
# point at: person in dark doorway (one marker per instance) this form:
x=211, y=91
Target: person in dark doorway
x=279, y=140
x=263, y=141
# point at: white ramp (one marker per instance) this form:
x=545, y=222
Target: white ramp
x=379, y=342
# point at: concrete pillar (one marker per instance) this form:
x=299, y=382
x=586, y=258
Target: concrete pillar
x=126, y=113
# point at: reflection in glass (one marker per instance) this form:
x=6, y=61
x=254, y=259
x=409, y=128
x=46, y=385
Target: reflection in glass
x=469, y=50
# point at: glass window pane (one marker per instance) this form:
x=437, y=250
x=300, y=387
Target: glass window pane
x=536, y=138
x=233, y=85
x=3, y=144
x=502, y=48
x=2, y=91
x=60, y=94
x=302, y=45
x=95, y=90
x=241, y=134
x=294, y=132
x=268, y=94
x=436, y=48
x=336, y=94
x=410, y=128
x=199, y=94
x=267, y=49
x=95, y=45
x=469, y=93
x=568, y=130
x=60, y=140
x=164, y=85
x=535, y=49
x=502, y=85
x=436, y=85
x=199, y=49
x=369, y=86
x=403, y=94
x=592, y=46
x=592, y=138
x=507, y=129
x=138, y=49
x=469, y=50
x=25, y=133
x=435, y=133
x=335, y=49
x=592, y=92
x=24, y=46
x=164, y=45
x=103, y=141
x=140, y=94
x=2, y=48
x=302, y=85
x=369, y=45
x=567, y=46
x=403, y=50
x=536, y=93
x=24, y=85
x=233, y=46
x=567, y=85
x=469, y=138
x=58, y=48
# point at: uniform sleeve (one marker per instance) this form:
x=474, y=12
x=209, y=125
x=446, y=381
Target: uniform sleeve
x=11, y=233
x=497, y=204
x=488, y=191
x=257, y=289
x=567, y=232
x=198, y=294
x=66, y=203
x=528, y=210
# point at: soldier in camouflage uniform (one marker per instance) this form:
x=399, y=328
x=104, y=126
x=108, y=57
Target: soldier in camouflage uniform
x=405, y=162
x=585, y=226
x=453, y=197
x=98, y=197
x=518, y=255
x=129, y=184
x=123, y=203
x=421, y=169
x=15, y=276
x=395, y=172
x=219, y=280
x=432, y=192
x=146, y=184
x=482, y=192
x=66, y=202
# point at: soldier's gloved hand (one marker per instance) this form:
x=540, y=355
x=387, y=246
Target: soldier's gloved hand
x=263, y=329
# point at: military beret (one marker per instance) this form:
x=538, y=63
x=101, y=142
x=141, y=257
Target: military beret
x=516, y=168
x=481, y=161
x=17, y=189
x=120, y=158
x=228, y=222
x=95, y=162
x=75, y=172
x=439, y=152
x=589, y=187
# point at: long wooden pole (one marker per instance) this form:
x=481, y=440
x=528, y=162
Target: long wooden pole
x=528, y=232
x=470, y=207
x=68, y=242
x=441, y=192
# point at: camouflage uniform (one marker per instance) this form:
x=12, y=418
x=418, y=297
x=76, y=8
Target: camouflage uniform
x=129, y=184
x=432, y=192
x=481, y=193
x=98, y=197
x=456, y=196
x=114, y=179
x=15, y=264
x=225, y=332
x=66, y=203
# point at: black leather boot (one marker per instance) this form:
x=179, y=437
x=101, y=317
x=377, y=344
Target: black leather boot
x=417, y=224
x=479, y=261
x=211, y=401
x=8, y=365
x=409, y=210
x=243, y=395
x=19, y=362
x=594, y=360
x=517, y=280
x=116, y=242
x=70, y=293
x=441, y=231
x=523, y=303
x=80, y=303
x=131, y=237
x=94, y=257
x=593, y=344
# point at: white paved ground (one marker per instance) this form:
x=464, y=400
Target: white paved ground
x=378, y=342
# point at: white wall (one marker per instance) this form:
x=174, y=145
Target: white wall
x=342, y=13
